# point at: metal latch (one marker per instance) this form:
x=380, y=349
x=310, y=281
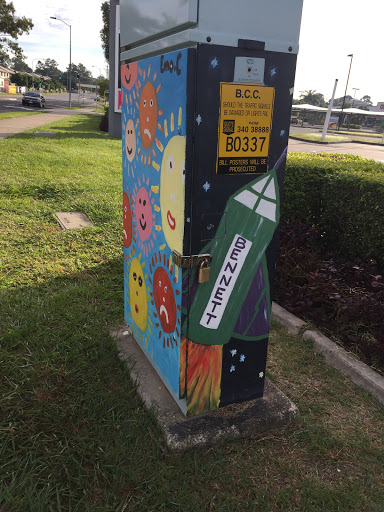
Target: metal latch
x=195, y=260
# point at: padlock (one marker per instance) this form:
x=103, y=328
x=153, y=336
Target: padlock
x=204, y=270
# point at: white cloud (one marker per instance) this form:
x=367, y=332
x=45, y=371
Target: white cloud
x=50, y=38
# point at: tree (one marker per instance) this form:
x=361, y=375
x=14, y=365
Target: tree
x=103, y=85
x=367, y=99
x=48, y=67
x=21, y=79
x=18, y=64
x=85, y=76
x=13, y=27
x=347, y=103
x=104, y=32
x=312, y=98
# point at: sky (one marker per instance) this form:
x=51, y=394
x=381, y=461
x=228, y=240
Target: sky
x=49, y=39
x=330, y=30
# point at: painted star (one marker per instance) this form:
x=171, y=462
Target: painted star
x=273, y=71
x=261, y=375
x=206, y=186
x=198, y=119
x=214, y=62
x=282, y=133
x=242, y=358
x=232, y=369
x=233, y=352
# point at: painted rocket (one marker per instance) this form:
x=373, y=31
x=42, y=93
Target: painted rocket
x=243, y=235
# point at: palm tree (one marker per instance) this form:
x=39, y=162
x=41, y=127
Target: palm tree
x=312, y=97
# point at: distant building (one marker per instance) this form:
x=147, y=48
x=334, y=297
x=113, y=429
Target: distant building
x=378, y=108
x=5, y=74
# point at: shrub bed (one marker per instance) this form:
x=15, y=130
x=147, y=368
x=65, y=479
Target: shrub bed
x=343, y=298
x=344, y=196
x=331, y=249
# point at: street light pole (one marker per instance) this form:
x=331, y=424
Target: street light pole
x=346, y=87
x=355, y=89
x=96, y=83
x=70, y=55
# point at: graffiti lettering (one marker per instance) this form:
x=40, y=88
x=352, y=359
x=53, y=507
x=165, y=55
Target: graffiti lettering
x=168, y=65
x=225, y=282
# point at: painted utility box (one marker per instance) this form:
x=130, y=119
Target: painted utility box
x=206, y=100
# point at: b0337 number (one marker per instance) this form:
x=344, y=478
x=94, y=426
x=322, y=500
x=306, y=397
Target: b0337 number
x=245, y=144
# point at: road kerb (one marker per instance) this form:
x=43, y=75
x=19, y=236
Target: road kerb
x=361, y=374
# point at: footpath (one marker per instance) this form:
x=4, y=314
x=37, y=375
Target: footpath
x=14, y=125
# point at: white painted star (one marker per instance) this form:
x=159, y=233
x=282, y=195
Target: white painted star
x=214, y=62
x=232, y=369
x=273, y=72
x=206, y=186
x=199, y=119
x=261, y=375
x=242, y=358
x=233, y=352
x=282, y=133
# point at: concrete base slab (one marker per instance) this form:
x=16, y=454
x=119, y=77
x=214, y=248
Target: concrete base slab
x=73, y=220
x=243, y=420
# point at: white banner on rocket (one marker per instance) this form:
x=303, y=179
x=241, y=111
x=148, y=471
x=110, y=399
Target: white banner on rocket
x=225, y=282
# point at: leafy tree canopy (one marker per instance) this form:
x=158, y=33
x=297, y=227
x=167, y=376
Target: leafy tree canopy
x=312, y=98
x=103, y=85
x=367, y=99
x=13, y=27
x=47, y=67
x=104, y=32
x=18, y=64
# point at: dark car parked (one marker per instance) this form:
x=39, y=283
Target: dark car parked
x=33, y=98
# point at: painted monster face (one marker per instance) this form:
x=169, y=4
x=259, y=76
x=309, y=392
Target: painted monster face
x=138, y=295
x=164, y=300
x=143, y=212
x=148, y=115
x=172, y=185
x=127, y=220
x=130, y=140
x=128, y=75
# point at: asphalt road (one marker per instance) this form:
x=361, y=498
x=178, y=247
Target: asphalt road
x=53, y=102
x=57, y=104
x=365, y=150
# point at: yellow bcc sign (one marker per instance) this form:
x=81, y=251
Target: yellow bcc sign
x=245, y=124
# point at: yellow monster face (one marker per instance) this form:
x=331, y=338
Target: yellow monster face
x=172, y=186
x=138, y=295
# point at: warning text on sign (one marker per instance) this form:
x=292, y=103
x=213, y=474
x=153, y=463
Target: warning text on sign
x=244, y=128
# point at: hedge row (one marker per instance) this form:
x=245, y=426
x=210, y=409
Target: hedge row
x=344, y=194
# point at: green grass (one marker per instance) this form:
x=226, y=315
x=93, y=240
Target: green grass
x=357, y=132
x=10, y=115
x=76, y=107
x=353, y=137
x=74, y=436
x=316, y=137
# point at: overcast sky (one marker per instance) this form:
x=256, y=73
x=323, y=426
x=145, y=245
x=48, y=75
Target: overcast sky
x=330, y=30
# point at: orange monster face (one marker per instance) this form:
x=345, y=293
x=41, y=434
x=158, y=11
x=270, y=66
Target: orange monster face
x=128, y=75
x=148, y=115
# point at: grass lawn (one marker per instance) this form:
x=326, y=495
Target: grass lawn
x=74, y=436
x=10, y=115
x=316, y=137
x=358, y=133
x=76, y=107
